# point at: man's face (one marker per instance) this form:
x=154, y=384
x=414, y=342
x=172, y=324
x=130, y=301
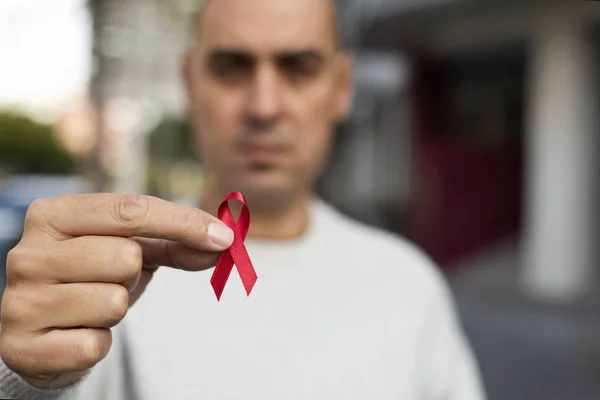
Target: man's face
x=266, y=86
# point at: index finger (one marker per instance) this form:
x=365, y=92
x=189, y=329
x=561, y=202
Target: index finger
x=128, y=215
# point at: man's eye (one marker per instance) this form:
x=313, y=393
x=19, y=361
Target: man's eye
x=231, y=69
x=300, y=69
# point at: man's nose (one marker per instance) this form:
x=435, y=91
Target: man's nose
x=264, y=100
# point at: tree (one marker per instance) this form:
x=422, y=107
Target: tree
x=116, y=26
x=28, y=146
x=172, y=140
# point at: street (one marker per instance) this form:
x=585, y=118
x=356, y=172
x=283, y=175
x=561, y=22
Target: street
x=533, y=351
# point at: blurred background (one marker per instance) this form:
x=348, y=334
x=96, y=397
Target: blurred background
x=475, y=134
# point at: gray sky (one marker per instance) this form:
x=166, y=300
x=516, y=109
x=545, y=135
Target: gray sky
x=45, y=53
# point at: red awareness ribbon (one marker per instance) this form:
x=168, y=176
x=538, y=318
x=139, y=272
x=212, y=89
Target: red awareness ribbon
x=237, y=253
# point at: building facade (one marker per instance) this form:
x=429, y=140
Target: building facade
x=505, y=131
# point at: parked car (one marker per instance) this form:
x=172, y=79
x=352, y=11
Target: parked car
x=17, y=193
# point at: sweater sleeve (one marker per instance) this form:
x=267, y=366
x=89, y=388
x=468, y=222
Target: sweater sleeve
x=448, y=367
x=108, y=380
x=12, y=386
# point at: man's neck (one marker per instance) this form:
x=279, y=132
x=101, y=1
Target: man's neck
x=284, y=224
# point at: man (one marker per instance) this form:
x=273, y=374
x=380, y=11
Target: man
x=339, y=310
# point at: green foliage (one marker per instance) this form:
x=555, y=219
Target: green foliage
x=174, y=170
x=172, y=140
x=29, y=147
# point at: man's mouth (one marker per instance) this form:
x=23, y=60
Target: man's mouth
x=262, y=166
x=263, y=156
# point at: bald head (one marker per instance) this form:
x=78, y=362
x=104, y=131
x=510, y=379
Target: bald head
x=323, y=10
x=267, y=83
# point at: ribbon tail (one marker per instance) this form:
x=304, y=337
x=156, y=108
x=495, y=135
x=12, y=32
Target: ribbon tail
x=221, y=274
x=244, y=266
x=248, y=277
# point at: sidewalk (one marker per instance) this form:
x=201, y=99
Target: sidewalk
x=526, y=349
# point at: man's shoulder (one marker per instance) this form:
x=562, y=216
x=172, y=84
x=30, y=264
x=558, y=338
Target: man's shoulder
x=385, y=252
x=368, y=237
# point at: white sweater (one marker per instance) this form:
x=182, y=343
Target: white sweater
x=345, y=312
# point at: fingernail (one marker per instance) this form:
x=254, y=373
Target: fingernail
x=220, y=234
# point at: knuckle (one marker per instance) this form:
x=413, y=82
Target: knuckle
x=16, y=262
x=37, y=210
x=10, y=352
x=21, y=263
x=133, y=259
x=14, y=257
x=194, y=222
x=88, y=351
x=21, y=306
x=131, y=210
x=11, y=307
x=15, y=312
x=171, y=255
x=117, y=304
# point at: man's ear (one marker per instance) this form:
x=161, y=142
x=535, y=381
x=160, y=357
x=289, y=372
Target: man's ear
x=186, y=70
x=187, y=79
x=345, y=86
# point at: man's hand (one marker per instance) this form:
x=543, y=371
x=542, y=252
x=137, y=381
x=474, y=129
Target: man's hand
x=82, y=261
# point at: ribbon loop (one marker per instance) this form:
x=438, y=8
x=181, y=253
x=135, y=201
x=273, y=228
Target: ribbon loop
x=237, y=254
